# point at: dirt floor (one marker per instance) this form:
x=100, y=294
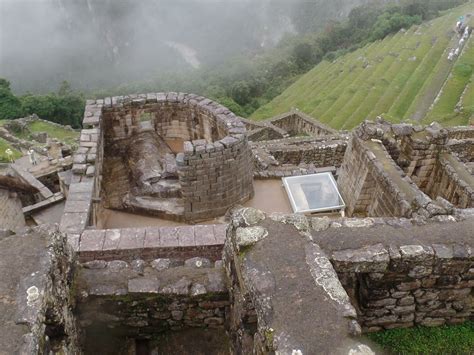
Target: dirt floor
x=270, y=196
x=193, y=341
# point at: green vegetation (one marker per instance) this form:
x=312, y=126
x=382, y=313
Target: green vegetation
x=4, y=145
x=64, y=107
x=458, y=339
x=394, y=77
x=64, y=135
x=459, y=83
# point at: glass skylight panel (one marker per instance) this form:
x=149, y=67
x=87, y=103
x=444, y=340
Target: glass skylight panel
x=313, y=193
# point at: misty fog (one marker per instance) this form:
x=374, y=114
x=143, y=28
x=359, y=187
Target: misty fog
x=100, y=43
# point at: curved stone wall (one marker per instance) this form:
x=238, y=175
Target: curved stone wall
x=214, y=169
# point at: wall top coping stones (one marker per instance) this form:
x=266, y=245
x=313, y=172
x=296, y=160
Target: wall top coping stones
x=95, y=240
x=233, y=126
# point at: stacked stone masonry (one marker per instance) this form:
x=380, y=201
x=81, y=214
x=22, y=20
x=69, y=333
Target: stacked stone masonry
x=291, y=124
x=140, y=299
x=409, y=170
x=297, y=156
x=211, y=169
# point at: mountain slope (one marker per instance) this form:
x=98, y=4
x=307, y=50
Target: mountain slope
x=407, y=76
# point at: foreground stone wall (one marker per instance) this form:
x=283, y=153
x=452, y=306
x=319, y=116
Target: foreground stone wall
x=285, y=295
x=142, y=299
x=45, y=300
x=416, y=284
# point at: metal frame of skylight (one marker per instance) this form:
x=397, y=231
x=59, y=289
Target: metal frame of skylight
x=324, y=209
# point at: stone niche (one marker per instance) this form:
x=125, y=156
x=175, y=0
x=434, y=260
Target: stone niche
x=176, y=156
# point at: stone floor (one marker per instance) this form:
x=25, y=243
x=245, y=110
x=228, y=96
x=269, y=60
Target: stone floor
x=51, y=214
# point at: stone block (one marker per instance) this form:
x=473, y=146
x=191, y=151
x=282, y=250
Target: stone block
x=74, y=223
x=168, y=237
x=132, y=238
x=143, y=285
x=204, y=235
x=368, y=259
x=92, y=240
x=152, y=238
x=112, y=239
x=185, y=236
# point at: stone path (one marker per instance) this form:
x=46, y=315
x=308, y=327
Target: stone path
x=50, y=214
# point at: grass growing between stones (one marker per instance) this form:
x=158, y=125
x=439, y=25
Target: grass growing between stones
x=62, y=134
x=455, y=339
x=4, y=145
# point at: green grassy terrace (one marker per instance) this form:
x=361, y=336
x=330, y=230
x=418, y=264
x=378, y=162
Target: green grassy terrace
x=457, y=339
x=53, y=131
x=399, y=77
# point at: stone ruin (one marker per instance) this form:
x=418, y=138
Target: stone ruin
x=263, y=282
x=205, y=175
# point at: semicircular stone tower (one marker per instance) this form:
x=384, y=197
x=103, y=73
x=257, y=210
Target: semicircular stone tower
x=177, y=156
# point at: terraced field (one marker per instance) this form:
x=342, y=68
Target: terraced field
x=405, y=77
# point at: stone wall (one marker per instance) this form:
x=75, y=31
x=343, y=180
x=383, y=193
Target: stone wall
x=11, y=213
x=415, y=284
x=450, y=181
x=215, y=176
x=142, y=299
x=366, y=188
x=421, y=150
x=296, y=123
x=264, y=134
x=285, y=295
x=297, y=156
x=463, y=149
x=461, y=132
x=401, y=272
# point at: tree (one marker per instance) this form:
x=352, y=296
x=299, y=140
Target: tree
x=64, y=88
x=303, y=54
x=10, y=105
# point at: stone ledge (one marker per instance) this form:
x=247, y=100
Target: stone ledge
x=179, y=242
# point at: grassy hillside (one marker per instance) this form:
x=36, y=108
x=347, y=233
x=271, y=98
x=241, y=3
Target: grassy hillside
x=53, y=131
x=407, y=76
